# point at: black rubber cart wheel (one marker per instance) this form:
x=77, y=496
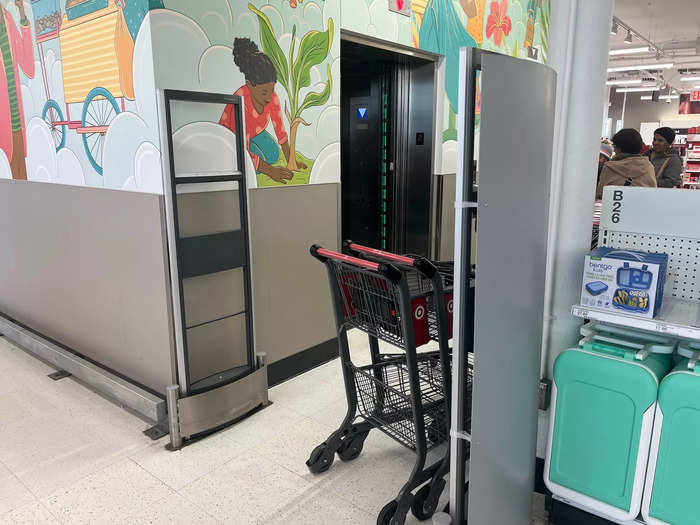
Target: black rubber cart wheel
x=320, y=460
x=351, y=446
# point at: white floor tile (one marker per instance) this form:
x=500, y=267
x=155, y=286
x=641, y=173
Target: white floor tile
x=13, y=493
x=262, y=425
x=304, y=396
x=178, y=468
x=172, y=510
x=291, y=448
x=247, y=490
x=323, y=509
x=32, y=514
x=108, y=494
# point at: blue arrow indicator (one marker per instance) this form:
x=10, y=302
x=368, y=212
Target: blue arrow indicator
x=362, y=113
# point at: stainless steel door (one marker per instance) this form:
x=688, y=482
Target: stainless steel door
x=512, y=206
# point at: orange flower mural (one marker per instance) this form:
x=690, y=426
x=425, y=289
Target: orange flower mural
x=498, y=24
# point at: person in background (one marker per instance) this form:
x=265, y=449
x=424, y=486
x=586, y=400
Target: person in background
x=667, y=163
x=606, y=153
x=628, y=167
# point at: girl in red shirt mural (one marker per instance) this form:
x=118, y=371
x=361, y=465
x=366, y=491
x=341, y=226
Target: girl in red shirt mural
x=261, y=105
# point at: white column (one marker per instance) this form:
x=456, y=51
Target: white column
x=578, y=51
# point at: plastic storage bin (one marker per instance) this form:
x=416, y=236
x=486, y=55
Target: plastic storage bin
x=602, y=416
x=673, y=477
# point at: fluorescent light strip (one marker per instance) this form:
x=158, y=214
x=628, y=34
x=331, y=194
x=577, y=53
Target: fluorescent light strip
x=690, y=79
x=629, y=51
x=637, y=89
x=669, y=97
x=645, y=97
x=640, y=67
x=632, y=82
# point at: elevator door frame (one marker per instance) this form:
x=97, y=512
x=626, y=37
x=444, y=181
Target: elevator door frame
x=357, y=38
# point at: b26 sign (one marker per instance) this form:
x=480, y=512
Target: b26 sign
x=695, y=96
x=400, y=6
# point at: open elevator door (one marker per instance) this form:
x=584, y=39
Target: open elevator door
x=387, y=144
x=220, y=377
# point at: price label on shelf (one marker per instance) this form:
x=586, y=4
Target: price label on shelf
x=661, y=327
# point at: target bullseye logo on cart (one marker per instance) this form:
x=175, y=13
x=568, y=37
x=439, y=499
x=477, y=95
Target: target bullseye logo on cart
x=450, y=306
x=419, y=312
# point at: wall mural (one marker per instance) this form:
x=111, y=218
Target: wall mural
x=78, y=79
x=282, y=57
x=68, y=74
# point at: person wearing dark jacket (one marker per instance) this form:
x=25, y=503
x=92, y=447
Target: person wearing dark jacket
x=668, y=166
x=628, y=167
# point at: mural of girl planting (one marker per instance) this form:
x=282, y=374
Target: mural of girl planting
x=276, y=159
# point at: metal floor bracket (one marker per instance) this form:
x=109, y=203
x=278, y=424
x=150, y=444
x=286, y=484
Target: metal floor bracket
x=155, y=433
x=59, y=374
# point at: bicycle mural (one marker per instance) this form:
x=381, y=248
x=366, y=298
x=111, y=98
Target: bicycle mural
x=71, y=66
x=97, y=51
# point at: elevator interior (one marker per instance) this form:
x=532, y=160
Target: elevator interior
x=387, y=144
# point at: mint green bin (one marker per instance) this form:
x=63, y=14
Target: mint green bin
x=604, y=403
x=671, y=493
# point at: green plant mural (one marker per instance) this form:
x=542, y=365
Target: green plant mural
x=544, y=15
x=294, y=72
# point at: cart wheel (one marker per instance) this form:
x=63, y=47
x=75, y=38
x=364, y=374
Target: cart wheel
x=99, y=109
x=422, y=508
x=320, y=460
x=351, y=446
x=52, y=113
x=387, y=513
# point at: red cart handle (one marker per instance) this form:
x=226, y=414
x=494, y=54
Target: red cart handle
x=402, y=259
x=420, y=263
x=390, y=272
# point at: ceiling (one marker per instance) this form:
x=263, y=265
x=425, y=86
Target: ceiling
x=672, y=25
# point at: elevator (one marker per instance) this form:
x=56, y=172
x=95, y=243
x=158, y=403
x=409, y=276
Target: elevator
x=387, y=145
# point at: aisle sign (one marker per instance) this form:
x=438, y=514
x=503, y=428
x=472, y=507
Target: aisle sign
x=695, y=96
x=402, y=7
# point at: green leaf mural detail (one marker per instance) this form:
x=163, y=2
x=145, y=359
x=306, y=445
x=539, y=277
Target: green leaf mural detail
x=544, y=15
x=318, y=99
x=271, y=48
x=294, y=72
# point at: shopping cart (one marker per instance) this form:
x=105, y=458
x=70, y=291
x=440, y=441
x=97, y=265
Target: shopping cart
x=402, y=394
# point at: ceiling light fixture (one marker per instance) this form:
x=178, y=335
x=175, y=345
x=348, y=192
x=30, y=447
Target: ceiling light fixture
x=629, y=82
x=637, y=89
x=615, y=28
x=642, y=67
x=669, y=97
x=690, y=79
x=628, y=38
x=630, y=51
x=645, y=97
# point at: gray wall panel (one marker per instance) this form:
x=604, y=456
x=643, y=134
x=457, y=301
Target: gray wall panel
x=291, y=296
x=514, y=179
x=87, y=267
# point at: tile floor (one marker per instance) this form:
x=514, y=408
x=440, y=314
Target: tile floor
x=68, y=456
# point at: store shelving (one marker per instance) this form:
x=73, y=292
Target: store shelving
x=678, y=318
x=692, y=160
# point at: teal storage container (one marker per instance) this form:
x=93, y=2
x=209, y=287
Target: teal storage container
x=602, y=416
x=673, y=478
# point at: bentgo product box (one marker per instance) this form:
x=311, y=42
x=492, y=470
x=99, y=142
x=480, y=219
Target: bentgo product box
x=625, y=281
